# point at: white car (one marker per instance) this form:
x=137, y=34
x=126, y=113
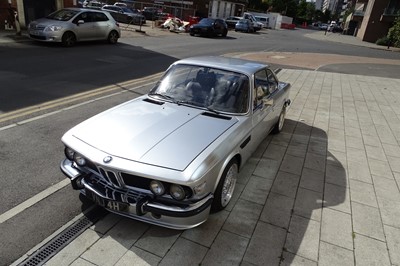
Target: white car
x=71, y=25
x=171, y=156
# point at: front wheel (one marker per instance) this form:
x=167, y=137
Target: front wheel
x=226, y=186
x=113, y=37
x=224, y=33
x=68, y=39
x=279, y=124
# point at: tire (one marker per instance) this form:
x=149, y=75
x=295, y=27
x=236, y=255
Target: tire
x=68, y=39
x=226, y=186
x=113, y=37
x=224, y=33
x=279, y=124
x=191, y=34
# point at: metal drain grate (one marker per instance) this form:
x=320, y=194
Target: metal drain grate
x=51, y=248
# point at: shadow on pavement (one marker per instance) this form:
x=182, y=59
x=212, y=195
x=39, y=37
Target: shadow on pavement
x=286, y=193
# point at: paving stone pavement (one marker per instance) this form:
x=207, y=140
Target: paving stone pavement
x=323, y=192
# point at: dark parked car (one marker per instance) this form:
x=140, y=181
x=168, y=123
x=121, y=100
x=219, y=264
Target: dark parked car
x=124, y=14
x=231, y=21
x=209, y=27
x=151, y=13
x=244, y=25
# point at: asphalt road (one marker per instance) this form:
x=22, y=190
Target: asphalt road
x=31, y=151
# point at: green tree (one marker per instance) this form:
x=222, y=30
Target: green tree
x=305, y=10
x=285, y=7
x=258, y=5
x=394, y=33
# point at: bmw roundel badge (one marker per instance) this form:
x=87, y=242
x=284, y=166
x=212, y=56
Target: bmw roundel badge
x=107, y=159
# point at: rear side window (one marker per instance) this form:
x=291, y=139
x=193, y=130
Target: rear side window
x=100, y=16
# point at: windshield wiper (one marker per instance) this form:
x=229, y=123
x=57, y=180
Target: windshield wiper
x=213, y=110
x=189, y=103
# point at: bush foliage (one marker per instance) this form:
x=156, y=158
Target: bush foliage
x=394, y=33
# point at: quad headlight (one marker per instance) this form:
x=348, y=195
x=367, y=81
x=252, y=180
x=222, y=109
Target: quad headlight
x=79, y=159
x=69, y=153
x=157, y=187
x=177, y=192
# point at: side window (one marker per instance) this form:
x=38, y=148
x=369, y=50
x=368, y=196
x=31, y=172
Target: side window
x=260, y=87
x=272, y=81
x=83, y=16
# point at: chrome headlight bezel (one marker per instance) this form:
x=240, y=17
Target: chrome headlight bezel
x=157, y=187
x=69, y=153
x=177, y=192
x=79, y=159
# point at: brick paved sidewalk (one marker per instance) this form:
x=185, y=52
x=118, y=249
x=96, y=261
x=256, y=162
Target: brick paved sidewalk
x=323, y=192
x=347, y=39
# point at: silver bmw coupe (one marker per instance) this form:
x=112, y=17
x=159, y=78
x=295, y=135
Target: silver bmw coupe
x=172, y=156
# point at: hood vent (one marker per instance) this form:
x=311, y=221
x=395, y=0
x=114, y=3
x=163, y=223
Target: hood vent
x=153, y=101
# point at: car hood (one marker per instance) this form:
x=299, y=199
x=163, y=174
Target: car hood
x=48, y=22
x=166, y=135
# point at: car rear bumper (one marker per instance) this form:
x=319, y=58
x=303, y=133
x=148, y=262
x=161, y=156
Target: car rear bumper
x=138, y=205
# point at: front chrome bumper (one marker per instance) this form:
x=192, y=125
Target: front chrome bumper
x=137, y=204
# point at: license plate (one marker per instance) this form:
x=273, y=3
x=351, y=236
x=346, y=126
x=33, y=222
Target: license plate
x=116, y=206
x=35, y=32
x=112, y=205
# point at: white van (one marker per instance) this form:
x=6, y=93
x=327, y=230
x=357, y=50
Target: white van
x=263, y=20
x=256, y=25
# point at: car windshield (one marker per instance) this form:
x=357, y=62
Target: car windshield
x=242, y=21
x=204, y=87
x=206, y=21
x=62, y=15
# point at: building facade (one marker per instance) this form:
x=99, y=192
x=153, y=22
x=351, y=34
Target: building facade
x=371, y=19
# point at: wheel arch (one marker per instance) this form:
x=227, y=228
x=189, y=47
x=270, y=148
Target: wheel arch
x=72, y=32
x=113, y=30
x=234, y=156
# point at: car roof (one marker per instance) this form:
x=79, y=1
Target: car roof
x=83, y=9
x=244, y=66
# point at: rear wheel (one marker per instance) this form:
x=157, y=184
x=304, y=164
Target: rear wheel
x=224, y=33
x=226, y=186
x=68, y=39
x=279, y=124
x=113, y=37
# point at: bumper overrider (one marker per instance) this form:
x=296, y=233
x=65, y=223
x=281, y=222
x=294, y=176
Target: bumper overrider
x=138, y=204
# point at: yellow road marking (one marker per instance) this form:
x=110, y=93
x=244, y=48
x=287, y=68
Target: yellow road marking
x=80, y=96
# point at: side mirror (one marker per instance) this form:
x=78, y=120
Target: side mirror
x=269, y=101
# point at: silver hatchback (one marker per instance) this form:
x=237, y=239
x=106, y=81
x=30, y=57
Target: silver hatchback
x=71, y=25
